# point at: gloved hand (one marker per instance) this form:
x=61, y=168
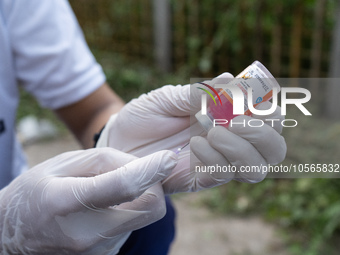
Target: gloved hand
x=161, y=120
x=82, y=202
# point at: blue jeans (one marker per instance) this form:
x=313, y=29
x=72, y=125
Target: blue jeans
x=154, y=239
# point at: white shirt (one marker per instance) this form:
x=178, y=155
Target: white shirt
x=43, y=49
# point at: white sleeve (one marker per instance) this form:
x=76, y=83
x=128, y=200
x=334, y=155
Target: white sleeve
x=52, y=60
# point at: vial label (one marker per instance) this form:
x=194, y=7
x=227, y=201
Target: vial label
x=254, y=78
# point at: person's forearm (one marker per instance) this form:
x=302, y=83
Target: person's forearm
x=87, y=117
x=86, y=138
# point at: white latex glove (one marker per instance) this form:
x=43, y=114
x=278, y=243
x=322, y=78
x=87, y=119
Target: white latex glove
x=161, y=120
x=82, y=202
x=240, y=145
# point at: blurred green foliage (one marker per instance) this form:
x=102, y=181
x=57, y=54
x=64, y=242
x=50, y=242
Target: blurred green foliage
x=307, y=210
x=129, y=79
x=210, y=37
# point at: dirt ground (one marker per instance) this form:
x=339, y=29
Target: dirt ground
x=199, y=231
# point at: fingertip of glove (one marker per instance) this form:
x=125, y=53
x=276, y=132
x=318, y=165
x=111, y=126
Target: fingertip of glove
x=250, y=181
x=216, y=133
x=264, y=105
x=172, y=155
x=242, y=124
x=225, y=75
x=169, y=158
x=195, y=140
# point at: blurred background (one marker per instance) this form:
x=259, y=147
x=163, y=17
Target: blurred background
x=145, y=44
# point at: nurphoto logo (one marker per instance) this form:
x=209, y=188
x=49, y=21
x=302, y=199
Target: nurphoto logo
x=242, y=103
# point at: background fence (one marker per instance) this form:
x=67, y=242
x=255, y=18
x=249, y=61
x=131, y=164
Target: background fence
x=292, y=37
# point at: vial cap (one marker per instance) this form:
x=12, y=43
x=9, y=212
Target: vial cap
x=270, y=77
x=205, y=121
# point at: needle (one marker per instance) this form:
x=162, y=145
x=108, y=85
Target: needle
x=180, y=149
x=185, y=145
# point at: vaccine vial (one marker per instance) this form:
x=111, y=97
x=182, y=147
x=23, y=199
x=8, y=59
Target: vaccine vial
x=257, y=77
